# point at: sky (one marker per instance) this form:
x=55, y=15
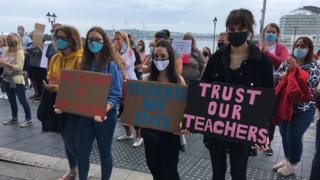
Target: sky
x=176, y=15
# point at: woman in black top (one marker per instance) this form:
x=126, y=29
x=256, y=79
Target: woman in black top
x=240, y=62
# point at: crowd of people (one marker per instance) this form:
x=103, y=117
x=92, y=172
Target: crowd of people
x=236, y=61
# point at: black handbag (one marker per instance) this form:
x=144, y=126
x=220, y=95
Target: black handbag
x=51, y=122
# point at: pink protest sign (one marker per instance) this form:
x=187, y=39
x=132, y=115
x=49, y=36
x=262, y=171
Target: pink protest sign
x=229, y=112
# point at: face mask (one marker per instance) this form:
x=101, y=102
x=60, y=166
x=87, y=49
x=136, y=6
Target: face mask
x=95, y=46
x=151, y=50
x=161, y=64
x=12, y=43
x=61, y=44
x=300, y=53
x=238, y=38
x=270, y=37
x=205, y=54
x=220, y=44
x=123, y=48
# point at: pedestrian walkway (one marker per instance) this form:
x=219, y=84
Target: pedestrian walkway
x=194, y=163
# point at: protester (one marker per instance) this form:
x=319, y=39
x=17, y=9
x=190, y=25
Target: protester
x=138, y=62
x=142, y=51
x=223, y=39
x=51, y=49
x=68, y=42
x=98, y=57
x=315, y=173
x=3, y=94
x=121, y=43
x=26, y=40
x=292, y=131
x=194, y=63
x=240, y=62
x=13, y=79
x=207, y=54
x=277, y=53
x=162, y=148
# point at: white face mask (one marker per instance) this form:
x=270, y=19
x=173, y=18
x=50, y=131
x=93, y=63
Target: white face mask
x=161, y=64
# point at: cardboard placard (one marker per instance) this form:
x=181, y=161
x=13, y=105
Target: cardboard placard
x=229, y=112
x=154, y=105
x=83, y=93
x=37, y=35
x=182, y=46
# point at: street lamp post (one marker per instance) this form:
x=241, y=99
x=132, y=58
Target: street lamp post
x=214, y=32
x=51, y=18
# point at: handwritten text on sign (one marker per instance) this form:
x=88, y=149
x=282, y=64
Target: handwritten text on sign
x=154, y=105
x=83, y=93
x=229, y=112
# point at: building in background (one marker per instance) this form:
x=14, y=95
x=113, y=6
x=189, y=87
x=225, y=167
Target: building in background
x=303, y=21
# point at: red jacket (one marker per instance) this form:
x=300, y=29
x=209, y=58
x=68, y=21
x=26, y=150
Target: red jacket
x=291, y=90
x=281, y=54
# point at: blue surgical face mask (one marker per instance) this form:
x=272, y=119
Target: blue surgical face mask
x=161, y=64
x=300, y=53
x=270, y=37
x=123, y=48
x=61, y=44
x=95, y=46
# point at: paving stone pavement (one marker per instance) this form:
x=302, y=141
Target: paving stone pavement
x=194, y=163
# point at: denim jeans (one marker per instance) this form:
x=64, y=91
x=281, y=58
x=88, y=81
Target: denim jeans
x=19, y=91
x=239, y=154
x=69, y=131
x=103, y=132
x=292, y=134
x=315, y=171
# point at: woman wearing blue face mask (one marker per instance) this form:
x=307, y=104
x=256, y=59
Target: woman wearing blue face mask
x=98, y=56
x=292, y=131
x=162, y=148
x=68, y=41
x=277, y=53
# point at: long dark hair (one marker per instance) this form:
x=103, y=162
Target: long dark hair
x=72, y=36
x=106, y=53
x=171, y=70
x=308, y=42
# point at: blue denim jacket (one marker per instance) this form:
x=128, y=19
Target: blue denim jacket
x=115, y=91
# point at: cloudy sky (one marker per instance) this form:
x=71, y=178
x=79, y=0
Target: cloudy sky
x=176, y=15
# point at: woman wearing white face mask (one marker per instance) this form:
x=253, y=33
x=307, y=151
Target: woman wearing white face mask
x=162, y=148
x=292, y=131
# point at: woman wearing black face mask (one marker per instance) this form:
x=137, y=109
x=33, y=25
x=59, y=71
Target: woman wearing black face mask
x=207, y=54
x=240, y=62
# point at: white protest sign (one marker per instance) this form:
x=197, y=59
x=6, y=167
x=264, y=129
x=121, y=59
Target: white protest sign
x=182, y=46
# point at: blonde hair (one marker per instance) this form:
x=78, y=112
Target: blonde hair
x=124, y=37
x=18, y=39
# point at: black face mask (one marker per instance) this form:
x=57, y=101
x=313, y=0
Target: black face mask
x=237, y=38
x=12, y=43
x=220, y=44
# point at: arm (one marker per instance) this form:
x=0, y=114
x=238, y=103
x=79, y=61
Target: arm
x=282, y=71
x=19, y=62
x=208, y=69
x=277, y=60
x=313, y=80
x=179, y=66
x=115, y=91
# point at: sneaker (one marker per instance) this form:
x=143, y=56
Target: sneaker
x=11, y=121
x=5, y=96
x=26, y=124
x=124, y=137
x=280, y=164
x=269, y=152
x=286, y=170
x=137, y=142
x=1, y=96
x=33, y=96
